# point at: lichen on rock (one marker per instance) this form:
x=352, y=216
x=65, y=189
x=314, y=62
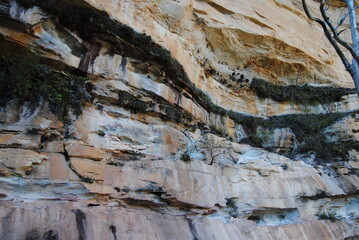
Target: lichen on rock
x=173, y=120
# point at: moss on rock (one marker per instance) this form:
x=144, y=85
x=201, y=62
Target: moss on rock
x=91, y=23
x=133, y=103
x=29, y=81
x=299, y=94
x=136, y=105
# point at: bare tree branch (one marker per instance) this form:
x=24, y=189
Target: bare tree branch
x=335, y=40
x=341, y=31
x=342, y=20
x=334, y=32
x=327, y=34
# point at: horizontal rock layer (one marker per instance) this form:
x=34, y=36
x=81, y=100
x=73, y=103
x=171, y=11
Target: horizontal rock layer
x=173, y=120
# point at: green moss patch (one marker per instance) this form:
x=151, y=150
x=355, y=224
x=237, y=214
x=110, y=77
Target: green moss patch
x=175, y=114
x=307, y=127
x=133, y=103
x=299, y=94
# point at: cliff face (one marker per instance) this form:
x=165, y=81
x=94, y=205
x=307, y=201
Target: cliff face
x=167, y=119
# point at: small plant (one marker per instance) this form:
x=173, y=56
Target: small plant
x=328, y=216
x=136, y=105
x=284, y=166
x=87, y=180
x=29, y=81
x=256, y=140
x=216, y=130
x=174, y=114
x=185, y=157
x=33, y=131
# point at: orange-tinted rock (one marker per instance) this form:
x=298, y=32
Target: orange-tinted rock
x=87, y=168
x=20, y=160
x=84, y=151
x=54, y=168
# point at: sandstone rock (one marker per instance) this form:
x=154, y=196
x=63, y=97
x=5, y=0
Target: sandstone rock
x=29, y=190
x=22, y=118
x=20, y=140
x=344, y=130
x=87, y=168
x=279, y=139
x=21, y=160
x=6, y=172
x=84, y=151
x=101, y=222
x=240, y=133
x=53, y=147
x=138, y=175
x=55, y=168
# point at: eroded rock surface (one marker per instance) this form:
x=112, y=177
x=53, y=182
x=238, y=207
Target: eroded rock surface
x=174, y=120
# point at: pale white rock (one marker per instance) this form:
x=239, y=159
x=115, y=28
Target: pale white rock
x=137, y=186
x=278, y=139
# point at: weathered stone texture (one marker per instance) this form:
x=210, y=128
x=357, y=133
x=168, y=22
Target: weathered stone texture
x=169, y=143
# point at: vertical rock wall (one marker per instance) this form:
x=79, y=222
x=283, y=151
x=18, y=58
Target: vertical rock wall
x=173, y=120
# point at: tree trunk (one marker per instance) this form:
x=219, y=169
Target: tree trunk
x=354, y=69
x=353, y=25
x=354, y=73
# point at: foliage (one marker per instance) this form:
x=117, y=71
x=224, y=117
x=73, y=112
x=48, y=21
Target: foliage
x=328, y=216
x=89, y=23
x=185, y=157
x=136, y=105
x=307, y=127
x=174, y=114
x=216, y=130
x=29, y=81
x=299, y=94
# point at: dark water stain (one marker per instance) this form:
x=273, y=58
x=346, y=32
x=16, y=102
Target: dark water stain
x=90, y=56
x=113, y=230
x=81, y=224
x=33, y=235
x=7, y=225
x=50, y=235
x=192, y=228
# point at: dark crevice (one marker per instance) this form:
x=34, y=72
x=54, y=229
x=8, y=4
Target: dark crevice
x=7, y=225
x=356, y=237
x=275, y=216
x=90, y=56
x=193, y=229
x=323, y=194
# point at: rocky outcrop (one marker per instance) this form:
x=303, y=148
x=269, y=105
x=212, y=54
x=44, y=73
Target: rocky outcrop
x=173, y=120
